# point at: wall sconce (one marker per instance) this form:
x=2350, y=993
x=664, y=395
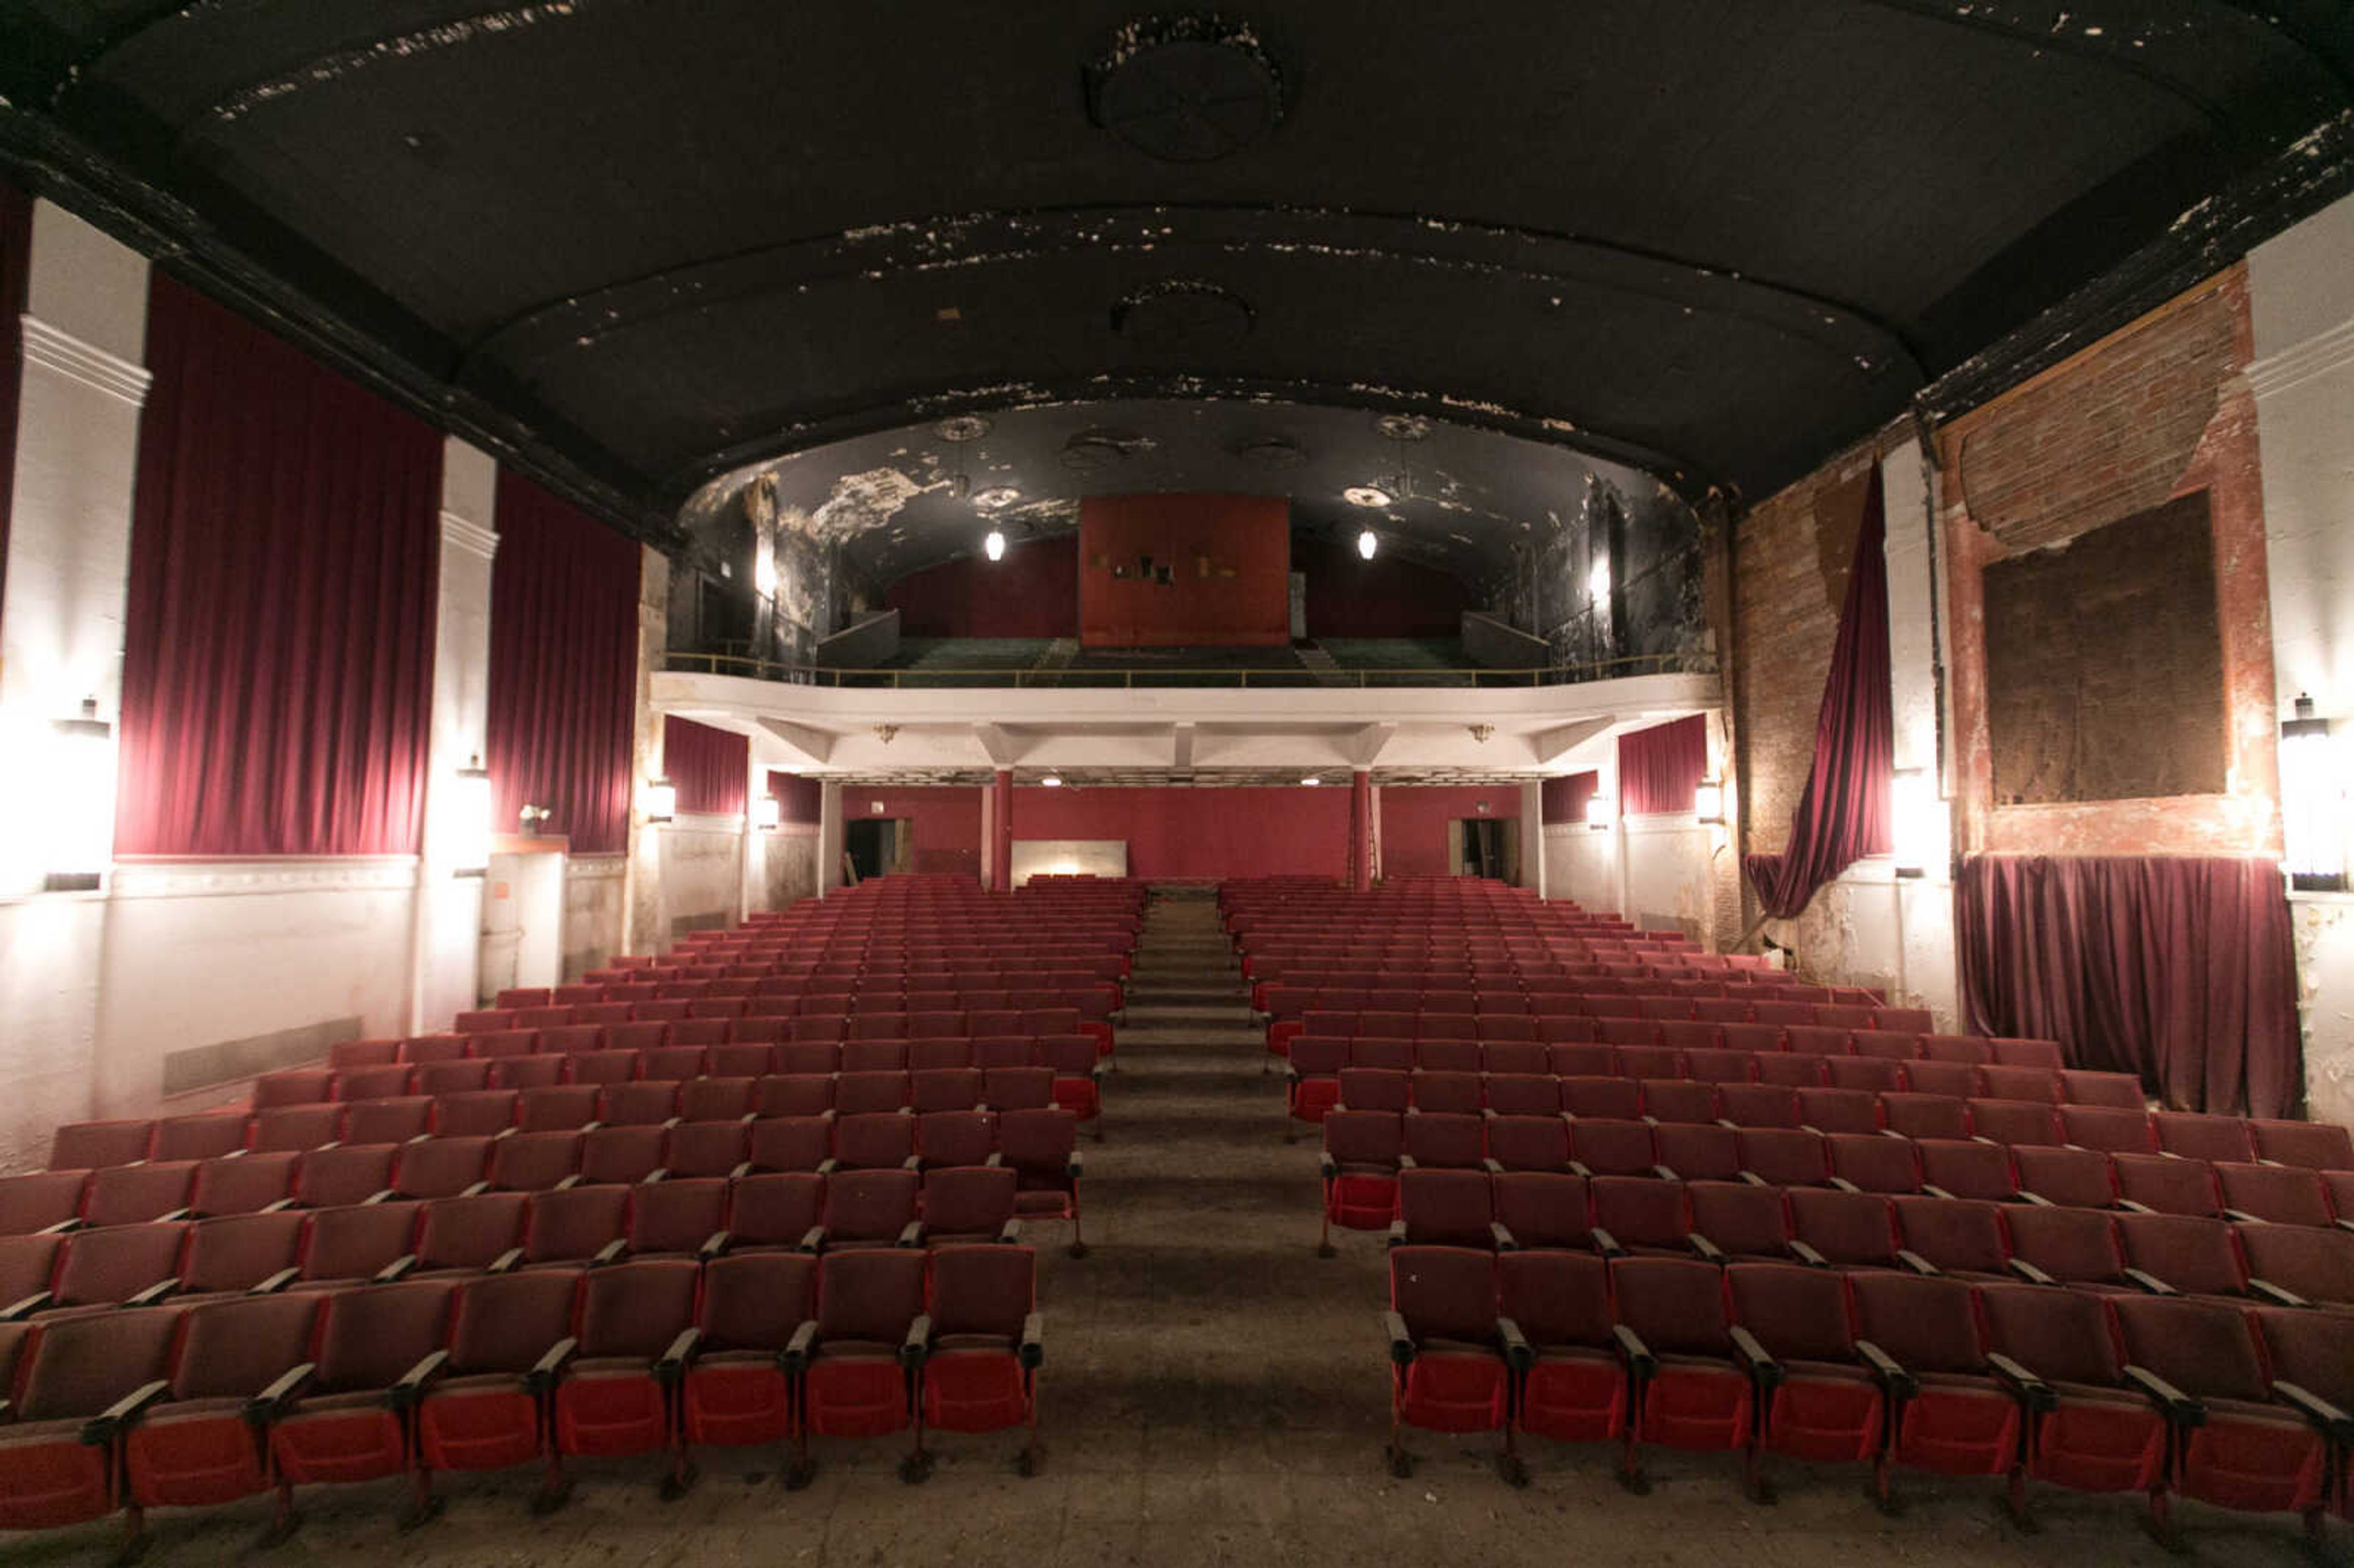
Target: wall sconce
x=768, y=813
x=661, y=800
x=1597, y=811
x=470, y=819
x=80, y=829
x=1708, y=801
x=2313, y=801
x=1914, y=808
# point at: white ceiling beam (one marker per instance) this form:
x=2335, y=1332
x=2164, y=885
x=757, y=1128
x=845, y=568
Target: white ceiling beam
x=1550, y=746
x=998, y=743
x=1181, y=748
x=808, y=745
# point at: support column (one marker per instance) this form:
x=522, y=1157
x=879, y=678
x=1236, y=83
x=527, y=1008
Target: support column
x=829, y=837
x=1361, y=829
x=444, y=976
x=1532, y=845
x=84, y=328
x=1001, y=805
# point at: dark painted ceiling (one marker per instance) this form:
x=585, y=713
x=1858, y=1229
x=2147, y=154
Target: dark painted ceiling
x=1460, y=496
x=645, y=241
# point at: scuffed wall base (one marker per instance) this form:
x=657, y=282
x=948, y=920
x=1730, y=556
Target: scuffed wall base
x=688, y=877
x=1582, y=866
x=592, y=911
x=49, y=999
x=1869, y=928
x=2323, y=926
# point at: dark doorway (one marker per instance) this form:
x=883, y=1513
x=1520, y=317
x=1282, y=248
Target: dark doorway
x=877, y=845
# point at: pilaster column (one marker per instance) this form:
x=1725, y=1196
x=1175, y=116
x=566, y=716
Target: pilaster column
x=829, y=837
x=1001, y=805
x=1361, y=829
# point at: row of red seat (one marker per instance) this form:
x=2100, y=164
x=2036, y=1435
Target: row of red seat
x=390, y=1239
x=1035, y=1143
x=716, y=999
x=202, y=1406
x=1824, y=1227
x=2242, y=1407
x=1365, y=1150
x=349, y=1075
x=1627, y=1020
x=2032, y=1072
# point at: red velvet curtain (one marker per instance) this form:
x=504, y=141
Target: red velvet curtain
x=1564, y=799
x=710, y=767
x=285, y=550
x=1843, y=814
x=16, y=265
x=564, y=669
x=2179, y=971
x=799, y=800
x=1659, y=767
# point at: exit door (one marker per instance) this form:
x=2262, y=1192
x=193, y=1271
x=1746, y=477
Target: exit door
x=1485, y=846
x=877, y=845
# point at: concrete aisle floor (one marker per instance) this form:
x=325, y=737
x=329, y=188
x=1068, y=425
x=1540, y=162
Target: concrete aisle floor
x=1213, y=1393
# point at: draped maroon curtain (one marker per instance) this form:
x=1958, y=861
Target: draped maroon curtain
x=285, y=554
x=1843, y=814
x=564, y=669
x=1659, y=767
x=1566, y=798
x=711, y=768
x=797, y=798
x=16, y=266
x=2179, y=971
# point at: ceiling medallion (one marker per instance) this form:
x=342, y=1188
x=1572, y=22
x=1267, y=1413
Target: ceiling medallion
x=960, y=427
x=1186, y=90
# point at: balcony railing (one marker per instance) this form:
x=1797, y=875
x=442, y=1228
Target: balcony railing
x=1131, y=677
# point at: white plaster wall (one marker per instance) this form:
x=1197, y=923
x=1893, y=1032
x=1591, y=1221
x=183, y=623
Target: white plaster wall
x=49, y=1012
x=1869, y=928
x=1582, y=866
x=788, y=865
x=1668, y=886
x=197, y=953
x=593, y=910
x=450, y=906
x=695, y=862
x=2301, y=301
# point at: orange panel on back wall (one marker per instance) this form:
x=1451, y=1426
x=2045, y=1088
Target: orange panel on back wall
x=1227, y=566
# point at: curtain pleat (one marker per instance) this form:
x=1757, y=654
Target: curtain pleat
x=564, y=669
x=2178, y=969
x=1659, y=767
x=283, y=582
x=1843, y=813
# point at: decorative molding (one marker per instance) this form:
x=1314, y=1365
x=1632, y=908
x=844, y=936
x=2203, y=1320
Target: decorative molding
x=245, y=878
x=93, y=367
x=470, y=536
x=596, y=867
x=2315, y=356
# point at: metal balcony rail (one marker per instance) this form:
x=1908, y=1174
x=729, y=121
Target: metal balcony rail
x=1129, y=677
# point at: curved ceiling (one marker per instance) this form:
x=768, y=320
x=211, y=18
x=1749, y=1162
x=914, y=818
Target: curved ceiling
x=662, y=239
x=1460, y=497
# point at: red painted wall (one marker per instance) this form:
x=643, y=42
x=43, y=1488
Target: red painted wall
x=1033, y=592
x=1414, y=822
x=946, y=820
x=1295, y=832
x=1349, y=596
x=1230, y=563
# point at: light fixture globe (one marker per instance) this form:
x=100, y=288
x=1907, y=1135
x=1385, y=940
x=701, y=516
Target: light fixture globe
x=994, y=546
x=1370, y=496
x=1368, y=543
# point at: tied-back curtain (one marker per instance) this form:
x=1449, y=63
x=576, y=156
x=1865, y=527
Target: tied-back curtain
x=2179, y=971
x=1660, y=768
x=285, y=566
x=1564, y=799
x=711, y=768
x=1843, y=813
x=799, y=800
x=564, y=669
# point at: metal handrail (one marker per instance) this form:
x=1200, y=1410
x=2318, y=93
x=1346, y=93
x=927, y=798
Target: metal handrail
x=1156, y=675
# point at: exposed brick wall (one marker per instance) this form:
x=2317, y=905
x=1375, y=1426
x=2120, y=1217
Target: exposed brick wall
x=2158, y=410
x=1790, y=558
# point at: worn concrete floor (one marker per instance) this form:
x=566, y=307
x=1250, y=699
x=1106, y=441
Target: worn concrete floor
x=1214, y=1394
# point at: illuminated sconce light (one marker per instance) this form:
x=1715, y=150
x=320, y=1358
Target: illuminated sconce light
x=994, y=546
x=768, y=813
x=661, y=800
x=470, y=819
x=1598, y=812
x=1914, y=807
x=2313, y=801
x=1052, y=782
x=1708, y=801
x=1311, y=781
x=1368, y=543
x=80, y=829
